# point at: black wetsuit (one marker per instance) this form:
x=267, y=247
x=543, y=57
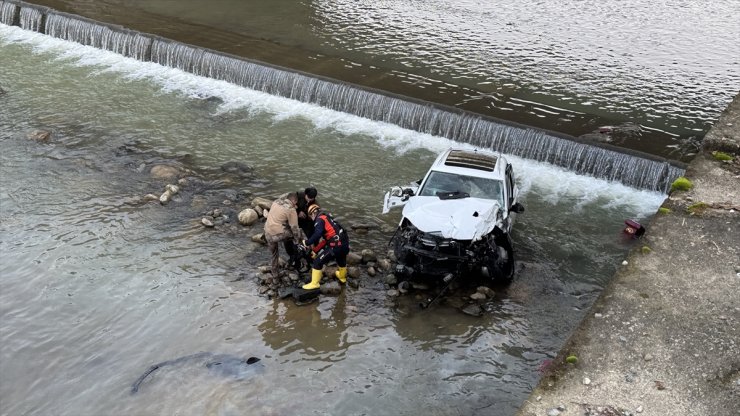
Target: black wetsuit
x=335, y=244
x=304, y=223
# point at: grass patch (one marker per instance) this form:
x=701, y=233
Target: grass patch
x=571, y=359
x=721, y=155
x=664, y=211
x=697, y=208
x=681, y=184
x=646, y=250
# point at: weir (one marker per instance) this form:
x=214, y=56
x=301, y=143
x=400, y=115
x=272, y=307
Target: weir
x=632, y=168
x=7, y=13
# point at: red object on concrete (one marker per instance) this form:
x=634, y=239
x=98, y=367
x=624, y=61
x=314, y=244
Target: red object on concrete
x=634, y=228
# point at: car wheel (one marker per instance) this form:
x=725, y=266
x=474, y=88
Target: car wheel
x=501, y=267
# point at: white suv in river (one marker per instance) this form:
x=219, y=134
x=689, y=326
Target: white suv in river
x=458, y=218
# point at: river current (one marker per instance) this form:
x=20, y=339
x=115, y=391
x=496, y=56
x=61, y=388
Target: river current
x=661, y=72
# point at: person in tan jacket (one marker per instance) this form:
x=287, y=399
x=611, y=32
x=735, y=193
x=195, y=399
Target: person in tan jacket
x=282, y=225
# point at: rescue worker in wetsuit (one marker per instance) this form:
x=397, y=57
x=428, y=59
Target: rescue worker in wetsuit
x=305, y=199
x=282, y=225
x=329, y=241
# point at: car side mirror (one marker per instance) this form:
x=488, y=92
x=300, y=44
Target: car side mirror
x=518, y=208
x=407, y=193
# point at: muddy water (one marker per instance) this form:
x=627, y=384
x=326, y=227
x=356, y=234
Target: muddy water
x=663, y=71
x=96, y=286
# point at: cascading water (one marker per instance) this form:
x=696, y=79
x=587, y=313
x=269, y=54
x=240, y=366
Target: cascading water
x=31, y=19
x=601, y=161
x=127, y=43
x=7, y=13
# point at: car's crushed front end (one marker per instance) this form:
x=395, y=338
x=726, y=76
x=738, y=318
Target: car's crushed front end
x=468, y=239
x=458, y=218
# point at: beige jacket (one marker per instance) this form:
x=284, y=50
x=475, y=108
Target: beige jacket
x=282, y=221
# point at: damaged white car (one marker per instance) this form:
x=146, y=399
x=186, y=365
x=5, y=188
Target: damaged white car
x=458, y=218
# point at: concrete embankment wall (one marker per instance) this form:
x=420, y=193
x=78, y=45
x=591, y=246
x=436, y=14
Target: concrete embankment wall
x=664, y=336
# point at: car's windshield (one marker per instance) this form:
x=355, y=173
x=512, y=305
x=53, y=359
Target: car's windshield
x=474, y=186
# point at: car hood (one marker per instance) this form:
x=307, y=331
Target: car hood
x=459, y=219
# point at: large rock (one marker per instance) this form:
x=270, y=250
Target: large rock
x=473, y=309
x=42, y=136
x=385, y=264
x=390, y=279
x=261, y=202
x=165, y=198
x=477, y=296
x=354, y=272
x=331, y=288
x=368, y=256
x=486, y=291
x=164, y=172
x=264, y=269
x=248, y=217
x=238, y=168
x=353, y=259
x=173, y=189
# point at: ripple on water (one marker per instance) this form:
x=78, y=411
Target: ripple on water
x=106, y=290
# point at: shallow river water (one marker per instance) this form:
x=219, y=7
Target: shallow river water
x=661, y=70
x=96, y=286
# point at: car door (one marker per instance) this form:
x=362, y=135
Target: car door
x=512, y=199
x=398, y=196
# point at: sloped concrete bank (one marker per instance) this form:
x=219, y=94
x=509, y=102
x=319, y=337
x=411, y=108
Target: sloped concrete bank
x=664, y=336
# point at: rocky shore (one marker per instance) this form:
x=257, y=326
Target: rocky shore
x=224, y=200
x=664, y=336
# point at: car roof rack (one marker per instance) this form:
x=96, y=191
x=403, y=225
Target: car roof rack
x=471, y=159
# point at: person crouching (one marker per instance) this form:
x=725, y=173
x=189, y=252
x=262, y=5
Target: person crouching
x=335, y=245
x=281, y=225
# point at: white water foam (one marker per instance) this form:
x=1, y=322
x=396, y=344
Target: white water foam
x=551, y=183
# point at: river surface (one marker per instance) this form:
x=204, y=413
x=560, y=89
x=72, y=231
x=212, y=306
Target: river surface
x=96, y=286
x=662, y=71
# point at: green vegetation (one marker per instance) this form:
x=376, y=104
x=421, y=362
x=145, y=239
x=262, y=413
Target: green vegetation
x=662, y=210
x=646, y=250
x=697, y=208
x=571, y=359
x=681, y=184
x=721, y=155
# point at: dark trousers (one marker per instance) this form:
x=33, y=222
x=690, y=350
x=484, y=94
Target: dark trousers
x=306, y=225
x=329, y=253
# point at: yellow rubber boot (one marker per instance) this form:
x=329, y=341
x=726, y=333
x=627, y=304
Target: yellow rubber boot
x=315, y=279
x=341, y=274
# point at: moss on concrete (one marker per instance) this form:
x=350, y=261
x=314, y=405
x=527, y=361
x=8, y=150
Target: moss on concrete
x=681, y=184
x=697, y=208
x=722, y=156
